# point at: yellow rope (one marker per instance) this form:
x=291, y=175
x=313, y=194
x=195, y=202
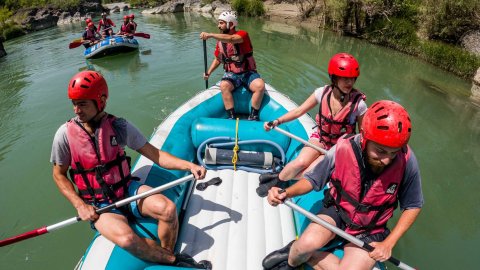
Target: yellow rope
x=235, y=148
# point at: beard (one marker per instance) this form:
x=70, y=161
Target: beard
x=375, y=165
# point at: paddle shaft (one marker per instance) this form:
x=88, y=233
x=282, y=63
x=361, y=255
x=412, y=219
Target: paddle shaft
x=70, y=221
x=288, y=134
x=205, y=61
x=341, y=233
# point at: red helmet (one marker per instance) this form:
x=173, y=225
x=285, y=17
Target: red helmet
x=88, y=85
x=132, y=16
x=90, y=24
x=343, y=65
x=386, y=123
x=88, y=20
x=126, y=17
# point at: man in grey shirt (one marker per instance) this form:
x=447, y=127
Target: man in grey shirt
x=92, y=145
x=367, y=175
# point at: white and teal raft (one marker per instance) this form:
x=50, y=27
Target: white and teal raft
x=227, y=224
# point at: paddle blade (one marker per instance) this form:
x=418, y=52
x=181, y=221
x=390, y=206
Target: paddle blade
x=23, y=236
x=74, y=44
x=144, y=35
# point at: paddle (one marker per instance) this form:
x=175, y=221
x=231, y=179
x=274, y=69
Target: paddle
x=75, y=44
x=288, y=134
x=143, y=35
x=70, y=221
x=340, y=232
x=205, y=60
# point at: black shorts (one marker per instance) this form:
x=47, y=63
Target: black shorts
x=365, y=237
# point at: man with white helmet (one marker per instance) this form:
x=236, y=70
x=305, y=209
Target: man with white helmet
x=234, y=50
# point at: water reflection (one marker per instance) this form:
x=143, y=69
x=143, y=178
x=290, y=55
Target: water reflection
x=123, y=65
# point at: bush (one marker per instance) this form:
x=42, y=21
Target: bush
x=248, y=7
x=451, y=58
x=394, y=33
x=12, y=31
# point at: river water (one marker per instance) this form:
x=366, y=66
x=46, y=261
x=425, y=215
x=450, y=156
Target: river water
x=146, y=86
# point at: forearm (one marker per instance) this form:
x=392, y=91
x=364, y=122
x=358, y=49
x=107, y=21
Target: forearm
x=302, y=186
x=405, y=221
x=291, y=115
x=213, y=66
x=171, y=162
x=226, y=38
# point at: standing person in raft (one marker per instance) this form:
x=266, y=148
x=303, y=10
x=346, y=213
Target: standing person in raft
x=91, y=145
x=341, y=108
x=368, y=175
x=105, y=26
x=234, y=50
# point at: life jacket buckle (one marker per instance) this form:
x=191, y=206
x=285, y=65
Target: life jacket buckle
x=362, y=208
x=100, y=169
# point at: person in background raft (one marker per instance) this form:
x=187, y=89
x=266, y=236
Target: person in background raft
x=368, y=174
x=234, y=50
x=92, y=145
x=90, y=37
x=127, y=29
x=341, y=108
x=132, y=18
x=87, y=21
x=107, y=26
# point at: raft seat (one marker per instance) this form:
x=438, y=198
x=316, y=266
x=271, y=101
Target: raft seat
x=216, y=228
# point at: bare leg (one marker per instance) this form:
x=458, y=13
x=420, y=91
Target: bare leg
x=313, y=238
x=227, y=87
x=162, y=209
x=305, y=158
x=257, y=87
x=356, y=258
x=115, y=228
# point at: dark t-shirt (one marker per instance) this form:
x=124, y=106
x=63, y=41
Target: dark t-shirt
x=409, y=195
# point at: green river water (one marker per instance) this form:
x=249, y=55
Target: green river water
x=146, y=86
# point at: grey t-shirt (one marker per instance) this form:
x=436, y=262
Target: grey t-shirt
x=410, y=193
x=127, y=135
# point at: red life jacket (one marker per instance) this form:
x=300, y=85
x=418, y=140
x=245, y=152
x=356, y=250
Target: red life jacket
x=99, y=166
x=90, y=34
x=235, y=59
x=370, y=213
x=127, y=29
x=330, y=128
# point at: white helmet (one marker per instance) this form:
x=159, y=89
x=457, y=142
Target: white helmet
x=229, y=16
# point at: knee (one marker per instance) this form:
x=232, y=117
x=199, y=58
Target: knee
x=300, y=163
x=126, y=240
x=166, y=211
x=257, y=86
x=226, y=86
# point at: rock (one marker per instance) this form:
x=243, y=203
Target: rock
x=2, y=49
x=471, y=41
x=476, y=87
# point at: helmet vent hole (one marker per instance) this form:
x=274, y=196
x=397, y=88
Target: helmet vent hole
x=382, y=117
x=341, y=68
x=400, y=127
x=382, y=127
x=73, y=83
x=84, y=86
x=379, y=109
x=86, y=79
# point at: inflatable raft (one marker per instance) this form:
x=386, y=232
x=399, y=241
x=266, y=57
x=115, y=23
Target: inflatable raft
x=228, y=224
x=111, y=45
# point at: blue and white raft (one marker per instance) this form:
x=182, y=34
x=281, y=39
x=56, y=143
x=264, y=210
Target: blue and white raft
x=111, y=45
x=228, y=224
